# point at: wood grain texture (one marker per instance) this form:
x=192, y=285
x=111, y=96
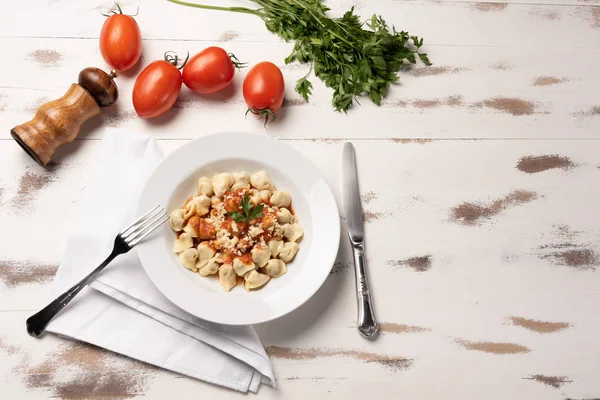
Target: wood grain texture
x=464, y=96
x=55, y=123
x=480, y=275
x=479, y=180
x=454, y=22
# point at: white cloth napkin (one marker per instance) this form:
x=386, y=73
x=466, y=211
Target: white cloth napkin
x=126, y=313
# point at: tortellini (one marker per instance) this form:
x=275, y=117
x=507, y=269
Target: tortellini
x=237, y=226
x=222, y=183
x=227, y=278
x=265, y=196
x=284, y=216
x=261, y=181
x=254, y=280
x=195, y=206
x=200, y=204
x=275, y=268
x=205, y=186
x=205, y=254
x=255, y=196
x=211, y=268
x=241, y=181
x=188, y=258
x=177, y=220
x=275, y=246
x=241, y=267
x=292, y=232
x=288, y=252
x=281, y=199
x=183, y=242
x=200, y=228
x=260, y=256
x=190, y=210
x=190, y=227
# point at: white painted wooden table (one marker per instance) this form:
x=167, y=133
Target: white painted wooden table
x=484, y=262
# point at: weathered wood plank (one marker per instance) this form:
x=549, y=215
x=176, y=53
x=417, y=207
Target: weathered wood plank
x=57, y=368
x=528, y=25
x=469, y=93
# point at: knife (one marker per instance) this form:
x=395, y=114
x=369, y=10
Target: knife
x=366, y=324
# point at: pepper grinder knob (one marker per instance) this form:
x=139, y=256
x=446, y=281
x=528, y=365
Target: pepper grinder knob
x=59, y=121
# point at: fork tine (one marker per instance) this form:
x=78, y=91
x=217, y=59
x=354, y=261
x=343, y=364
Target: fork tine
x=148, y=230
x=141, y=219
x=142, y=227
x=137, y=221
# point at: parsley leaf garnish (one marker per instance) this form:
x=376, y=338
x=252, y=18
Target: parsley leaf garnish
x=249, y=211
x=349, y=59
x=304, y=88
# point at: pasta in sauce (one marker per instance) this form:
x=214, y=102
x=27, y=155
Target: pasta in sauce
x=237, y=226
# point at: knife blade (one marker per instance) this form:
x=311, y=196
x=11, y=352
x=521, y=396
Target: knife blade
x=351, y=195
x=366, y=322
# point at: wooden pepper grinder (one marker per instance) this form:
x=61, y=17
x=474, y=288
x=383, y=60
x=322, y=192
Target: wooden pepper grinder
x=58, y=122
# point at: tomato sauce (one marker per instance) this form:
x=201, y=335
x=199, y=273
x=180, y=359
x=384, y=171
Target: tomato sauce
x=203, y=227
x=246, y=258
x=227, y=257
x=205, y=230
x=233, y=200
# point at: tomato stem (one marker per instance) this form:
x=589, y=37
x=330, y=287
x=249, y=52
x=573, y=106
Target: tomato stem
x=119, y=10
x=265, y=113
x=187, y=57
x=237, y=63
x=174, y=59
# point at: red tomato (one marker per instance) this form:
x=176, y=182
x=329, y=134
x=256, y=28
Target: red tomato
x=156, y=89
x=264, y=88
x=120, y=41
x=209, y=71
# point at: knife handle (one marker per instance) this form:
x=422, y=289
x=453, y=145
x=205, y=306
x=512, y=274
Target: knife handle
x=366, y=324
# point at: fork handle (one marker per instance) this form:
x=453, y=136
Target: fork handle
x=36, y=324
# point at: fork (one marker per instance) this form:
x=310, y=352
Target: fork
x=125, y=241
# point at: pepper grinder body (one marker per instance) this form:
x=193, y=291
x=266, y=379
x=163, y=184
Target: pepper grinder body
x=59, y=121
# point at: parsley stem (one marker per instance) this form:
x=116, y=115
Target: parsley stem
x=207, y=7
x=343, y=39
x=271, y=4
x=309, y=70
x=303, y=5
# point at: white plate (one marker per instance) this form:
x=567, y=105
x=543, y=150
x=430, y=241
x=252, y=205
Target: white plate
x=175, y=179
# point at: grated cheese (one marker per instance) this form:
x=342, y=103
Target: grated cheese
x=255, y=230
